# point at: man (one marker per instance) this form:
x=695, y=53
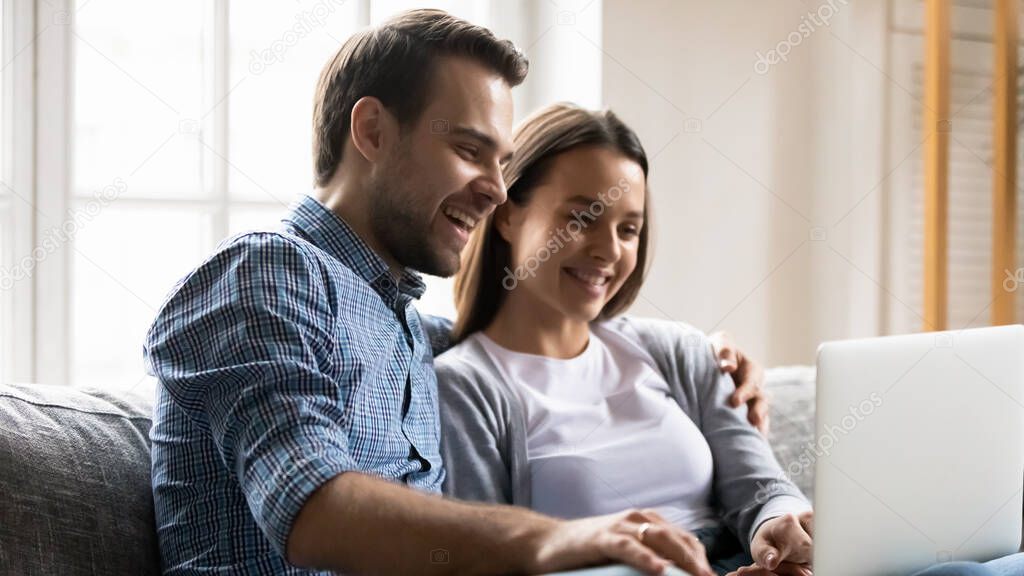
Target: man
x=297, y=402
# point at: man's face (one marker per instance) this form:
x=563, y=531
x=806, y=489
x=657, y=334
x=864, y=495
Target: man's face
x=443, y=176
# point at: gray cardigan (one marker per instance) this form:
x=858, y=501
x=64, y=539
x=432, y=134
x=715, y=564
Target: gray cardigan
x=484, y=428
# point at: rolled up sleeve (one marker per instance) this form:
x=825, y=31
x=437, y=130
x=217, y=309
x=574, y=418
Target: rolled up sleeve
x=245, y=348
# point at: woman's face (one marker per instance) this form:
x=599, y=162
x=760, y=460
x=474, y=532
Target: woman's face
x=575, y=242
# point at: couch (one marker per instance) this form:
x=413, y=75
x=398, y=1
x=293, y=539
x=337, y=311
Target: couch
x=75, y=473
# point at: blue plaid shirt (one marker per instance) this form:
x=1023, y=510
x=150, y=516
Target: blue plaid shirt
x=285, y=359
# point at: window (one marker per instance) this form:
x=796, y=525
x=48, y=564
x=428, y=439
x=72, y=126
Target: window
x=970, y=172
x=166, y=129
x=191, y=122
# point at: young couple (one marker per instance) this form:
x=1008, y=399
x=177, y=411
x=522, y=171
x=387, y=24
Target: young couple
x=300, y=425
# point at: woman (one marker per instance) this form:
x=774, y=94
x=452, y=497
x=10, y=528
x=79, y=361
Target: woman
x=553, y=400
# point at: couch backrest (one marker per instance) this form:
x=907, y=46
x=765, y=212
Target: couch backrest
x=75, y=492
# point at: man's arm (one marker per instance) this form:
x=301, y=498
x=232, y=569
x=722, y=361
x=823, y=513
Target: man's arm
x=357, y=523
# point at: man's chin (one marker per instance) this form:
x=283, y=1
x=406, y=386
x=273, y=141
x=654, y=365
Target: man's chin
x=447, y=269
x=440, y=263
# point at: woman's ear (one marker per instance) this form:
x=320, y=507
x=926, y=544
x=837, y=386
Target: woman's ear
x=368, y=127
x=504, y=219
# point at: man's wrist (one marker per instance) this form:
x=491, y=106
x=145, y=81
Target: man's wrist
x=533, y=546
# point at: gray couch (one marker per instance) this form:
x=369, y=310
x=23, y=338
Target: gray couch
x=75, y=472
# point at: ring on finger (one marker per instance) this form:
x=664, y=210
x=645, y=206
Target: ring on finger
x=642, y=530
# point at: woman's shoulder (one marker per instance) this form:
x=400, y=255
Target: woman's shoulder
x=655, y=334
x=465, y=356
x=467, y=367
x=468, y=381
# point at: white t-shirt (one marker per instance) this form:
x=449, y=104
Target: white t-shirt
x=603, y=434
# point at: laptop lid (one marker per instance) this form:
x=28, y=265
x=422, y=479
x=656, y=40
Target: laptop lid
x=919, y=450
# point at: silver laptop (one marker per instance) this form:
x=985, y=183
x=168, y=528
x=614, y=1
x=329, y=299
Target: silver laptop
x=919, y=450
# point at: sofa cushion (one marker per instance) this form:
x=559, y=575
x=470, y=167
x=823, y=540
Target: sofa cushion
x=75, y=482
x=791, y=435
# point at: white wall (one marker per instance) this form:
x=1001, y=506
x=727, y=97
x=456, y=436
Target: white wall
x=753, y=173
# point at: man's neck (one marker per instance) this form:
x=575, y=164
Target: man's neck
x=350, y=205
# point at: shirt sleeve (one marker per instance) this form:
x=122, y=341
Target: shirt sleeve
x=749, y=484
x=474, y=436
x=244, y=346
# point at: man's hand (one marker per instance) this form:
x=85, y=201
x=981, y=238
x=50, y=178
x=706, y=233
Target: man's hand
x=639, y=538
x=748, y=376
x=782, y=545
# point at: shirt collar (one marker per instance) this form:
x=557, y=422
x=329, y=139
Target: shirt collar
x=329, y=232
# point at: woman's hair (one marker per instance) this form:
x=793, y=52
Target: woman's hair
x=549, y=132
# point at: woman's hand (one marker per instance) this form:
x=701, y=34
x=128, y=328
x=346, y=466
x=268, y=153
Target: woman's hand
x=748, y=376
x=782, y=545
x=639, y=538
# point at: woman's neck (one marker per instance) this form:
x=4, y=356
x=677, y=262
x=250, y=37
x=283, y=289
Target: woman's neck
x=531, y=327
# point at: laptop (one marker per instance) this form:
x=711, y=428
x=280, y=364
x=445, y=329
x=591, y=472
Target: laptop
x=919, y=450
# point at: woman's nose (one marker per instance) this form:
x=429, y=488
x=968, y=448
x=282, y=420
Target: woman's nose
x=604, y=244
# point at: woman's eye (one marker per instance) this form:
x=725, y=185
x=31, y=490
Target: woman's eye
x=630, y=231
x=468, y=152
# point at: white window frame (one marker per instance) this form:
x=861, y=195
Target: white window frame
x=17, y=54
x=50, y=354
x=40, y=150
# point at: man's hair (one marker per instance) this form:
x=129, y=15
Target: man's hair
x=395, y=62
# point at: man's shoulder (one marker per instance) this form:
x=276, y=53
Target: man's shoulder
x=272, y=256
x=265, y=244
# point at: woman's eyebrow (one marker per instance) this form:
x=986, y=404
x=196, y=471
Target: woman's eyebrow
x=582, y=200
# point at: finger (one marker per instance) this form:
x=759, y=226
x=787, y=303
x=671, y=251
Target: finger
x=793, y=569
x=701, y=564
x=725, y=352
x=728, y=362
x=647, y=515
x=784, y=569
x=628, y=550
x=758, y=415
x=768, y=557
x=788, y=537
x=683, y=549
x=807, y=522
x=746, y=390
x=752, y=570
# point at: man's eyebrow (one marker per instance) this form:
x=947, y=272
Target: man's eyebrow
x=482, y=138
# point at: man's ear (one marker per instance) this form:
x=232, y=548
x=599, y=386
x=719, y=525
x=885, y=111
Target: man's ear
x=369, y=124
